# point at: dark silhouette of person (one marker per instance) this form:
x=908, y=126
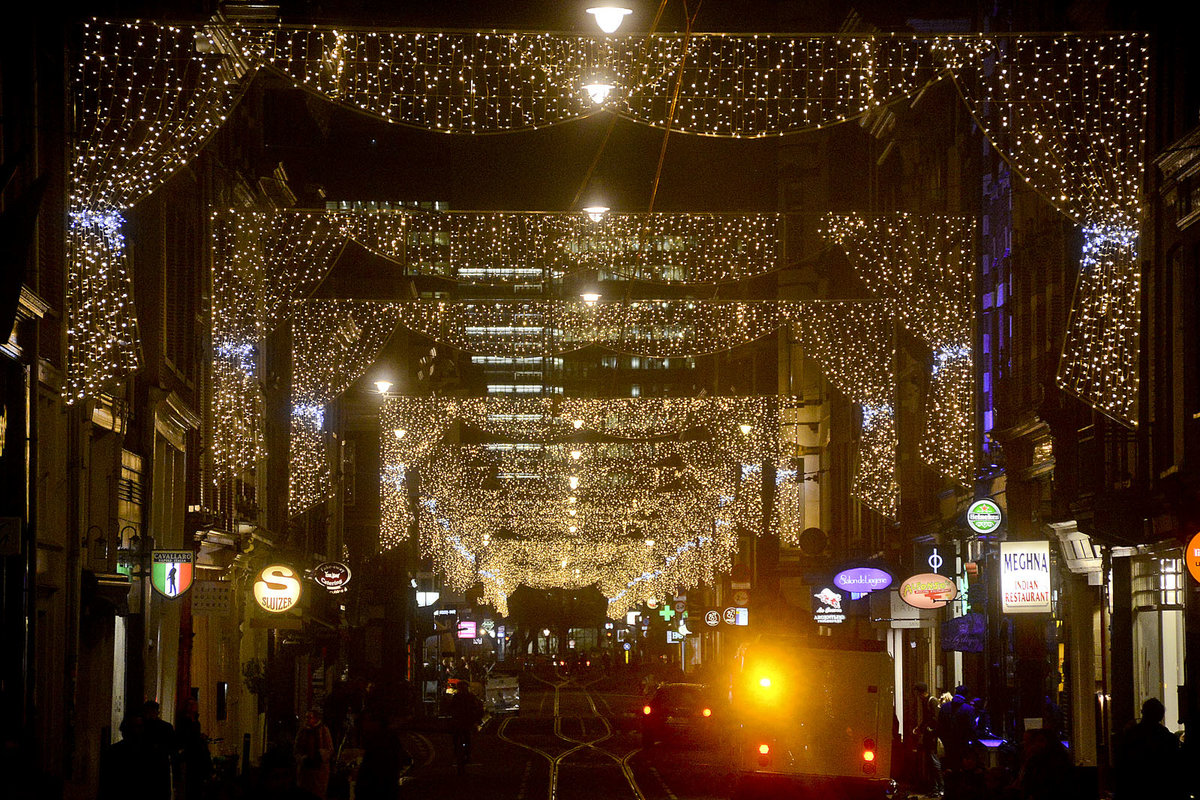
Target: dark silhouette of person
x=1045, y=767
x=465, y=713
x=133, y=767
x=383, y=761
x=276, y=778
x=1147, y=762
x=160, y=734
x=193, y=751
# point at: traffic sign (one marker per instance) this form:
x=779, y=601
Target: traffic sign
x=730, y=616
x=741, y=597
x=712, y=618
x=680, y=603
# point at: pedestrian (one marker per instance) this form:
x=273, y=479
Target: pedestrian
x=277, y=778
x=913, y=739
x=1045, y=767
x=133, y=767
x=314, y=748
x=968, y=780
x=945, y=731
x=1147, y=763
x=196, y=761
x=930, y=746
x=160, y=735
x=465, y=713
x=384, y=759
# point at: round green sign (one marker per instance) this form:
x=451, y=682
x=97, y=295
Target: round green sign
x=984, y=516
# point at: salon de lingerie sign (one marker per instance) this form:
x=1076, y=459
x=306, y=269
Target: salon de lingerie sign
x=1025, y=577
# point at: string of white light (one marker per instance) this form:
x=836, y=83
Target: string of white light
x=921, y=266
x=1069, y=113
x=853, y=343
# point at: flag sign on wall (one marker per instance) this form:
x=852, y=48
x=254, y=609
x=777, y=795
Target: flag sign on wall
x=171, y=571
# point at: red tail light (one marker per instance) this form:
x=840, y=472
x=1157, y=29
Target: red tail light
x=645, y=709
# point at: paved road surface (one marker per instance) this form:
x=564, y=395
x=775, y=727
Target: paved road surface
x=575, y=738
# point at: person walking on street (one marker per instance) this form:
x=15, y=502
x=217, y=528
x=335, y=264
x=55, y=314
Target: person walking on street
x=133, y=767
x=193, y=752
x=929, y=745
x=1147, y=763
x=384, y=759
x=314, y=748
x=1045, y=767
x=465, y=713
x=915, y=741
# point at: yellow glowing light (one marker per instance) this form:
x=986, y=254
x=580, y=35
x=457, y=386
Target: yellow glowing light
x=399, y=432
x=609, y=18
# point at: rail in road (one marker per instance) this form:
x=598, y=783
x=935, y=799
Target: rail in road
x=576, y=745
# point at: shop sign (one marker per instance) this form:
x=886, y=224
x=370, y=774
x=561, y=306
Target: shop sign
x=984, y=516
x=333, y=575
x=171, y=571
x=931, y=558
x=965, y=634
x=735, y=615
x=212, y=599
x=467, y=629
x=827, y=607
x=1192, y=556
x=277, y=588
x=712, y=618
x=1025, y=577
x=928, y=590
x=862, y=580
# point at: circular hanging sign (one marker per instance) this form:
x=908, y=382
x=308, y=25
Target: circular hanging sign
x=712, y=618
x=862, y=580
x=928, y=590
x=1192, y=556
x=333, y=575
x=984, y=516
x=277, y=588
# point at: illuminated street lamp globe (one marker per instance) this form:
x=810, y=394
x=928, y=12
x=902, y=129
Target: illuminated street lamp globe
x=383, y=386
x=598, y=91
x=609, y=18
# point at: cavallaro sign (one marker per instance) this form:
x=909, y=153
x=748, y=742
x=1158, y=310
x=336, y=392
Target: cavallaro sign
x=171, y=571
x=1025, y=577
x=928, y=590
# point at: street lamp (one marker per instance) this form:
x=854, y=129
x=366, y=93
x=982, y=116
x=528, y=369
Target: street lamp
x=382, y=386
x=598, y=91
x=400, y=432
x=609, y=18
x=745, y=428
x=595, y=213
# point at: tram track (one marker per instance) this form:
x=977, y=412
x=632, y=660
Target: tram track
x=576, y=745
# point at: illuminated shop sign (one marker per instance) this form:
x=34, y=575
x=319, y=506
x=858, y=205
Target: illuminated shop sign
x=466, y=629
x=1025, y=577
x=862, y=580
x=928, y=590
x=827, y=607
x=277, y=588
x=984, y=516
x=171, y=571
x=333, y=575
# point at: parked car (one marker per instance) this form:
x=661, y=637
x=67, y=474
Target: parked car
x=680, y=711
x=503, y=693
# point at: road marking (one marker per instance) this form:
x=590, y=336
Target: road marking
x=670, y=795
x=524, y=780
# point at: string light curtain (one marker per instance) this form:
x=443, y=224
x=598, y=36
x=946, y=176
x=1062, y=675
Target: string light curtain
x=333, y=344
x=921, y=266
x=528, y=246
x=651, y=328
x=145, y=99
x=264, y=264
x=853, y=344
x=636, y=495
x=492, y=81
x=1069, y=113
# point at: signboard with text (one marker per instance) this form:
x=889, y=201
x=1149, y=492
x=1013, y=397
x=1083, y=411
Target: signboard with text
x=827, y=607
x=984, y=516
x=1025, y=577
x=1192, y=556
x=171, y=571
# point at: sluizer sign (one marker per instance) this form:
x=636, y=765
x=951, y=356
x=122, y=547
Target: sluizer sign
x=1025, y=577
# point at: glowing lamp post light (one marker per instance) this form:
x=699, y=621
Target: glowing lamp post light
x=596, y=213
x=609, y=18
x=598, y=91
x=382, y=386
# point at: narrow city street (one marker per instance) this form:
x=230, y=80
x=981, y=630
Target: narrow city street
x=575, y=737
